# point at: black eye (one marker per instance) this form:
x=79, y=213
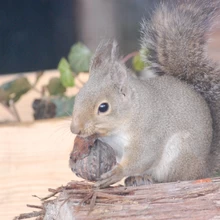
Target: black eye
x=103, y=107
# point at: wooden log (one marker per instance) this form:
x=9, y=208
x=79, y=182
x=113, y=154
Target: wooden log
x=199, y=199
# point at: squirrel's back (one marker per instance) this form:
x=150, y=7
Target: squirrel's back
x=180, y=106
x=176, y=39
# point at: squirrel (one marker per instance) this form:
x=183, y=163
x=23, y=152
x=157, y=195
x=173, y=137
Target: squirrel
x=165, y=125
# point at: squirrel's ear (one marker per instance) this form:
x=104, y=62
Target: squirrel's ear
x=119, y=76
x=106, y=52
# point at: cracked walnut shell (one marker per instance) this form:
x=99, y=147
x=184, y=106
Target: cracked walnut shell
x=90, y=158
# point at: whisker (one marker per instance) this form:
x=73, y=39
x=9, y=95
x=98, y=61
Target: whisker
x=69, y=114
x=65, y=118
x=62, y=130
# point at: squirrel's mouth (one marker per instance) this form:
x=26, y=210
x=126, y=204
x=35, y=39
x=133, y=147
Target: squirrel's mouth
x=96, y=134
x=84, y=135
x=89, y=131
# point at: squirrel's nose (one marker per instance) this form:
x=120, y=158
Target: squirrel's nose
x=75, y=127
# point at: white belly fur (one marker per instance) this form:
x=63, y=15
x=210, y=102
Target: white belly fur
x=171, y=152
x=118, y=142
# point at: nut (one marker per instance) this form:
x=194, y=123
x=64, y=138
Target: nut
x=90, y=158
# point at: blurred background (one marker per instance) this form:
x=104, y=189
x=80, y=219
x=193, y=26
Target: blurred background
x=35, y=34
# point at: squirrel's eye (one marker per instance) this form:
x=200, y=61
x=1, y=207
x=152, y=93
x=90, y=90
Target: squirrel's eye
x=103, y=107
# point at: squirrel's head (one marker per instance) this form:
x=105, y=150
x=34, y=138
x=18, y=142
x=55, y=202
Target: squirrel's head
x=104, y=102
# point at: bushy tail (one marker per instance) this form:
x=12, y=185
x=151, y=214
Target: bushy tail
x=176, y=39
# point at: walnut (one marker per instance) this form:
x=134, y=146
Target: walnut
x=90, y=158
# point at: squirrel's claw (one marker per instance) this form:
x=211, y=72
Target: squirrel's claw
x=110, y=177
x=138, y=180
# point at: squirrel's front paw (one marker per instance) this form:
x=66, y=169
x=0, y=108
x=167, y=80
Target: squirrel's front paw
x=111, y=177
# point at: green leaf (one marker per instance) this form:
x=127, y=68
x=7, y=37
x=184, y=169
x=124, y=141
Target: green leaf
x=14, y=89
x=144, y=53
x=64, y=105
x=4, y=96
x=79, y=58
x=137, y=63
x=66, y=75
x=55, y=87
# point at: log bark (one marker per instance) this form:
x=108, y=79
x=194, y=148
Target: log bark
x=197, y=200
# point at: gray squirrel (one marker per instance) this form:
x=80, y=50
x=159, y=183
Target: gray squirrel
x=165, y=125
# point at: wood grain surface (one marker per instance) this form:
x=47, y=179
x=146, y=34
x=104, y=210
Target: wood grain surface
x=33, y=157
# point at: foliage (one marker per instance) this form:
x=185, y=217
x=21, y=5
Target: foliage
x=66, y=74
x=54, y=102
x=79, y=58
x=137, y=63
x=55, y=87
x=14, y=89
x=64, y=105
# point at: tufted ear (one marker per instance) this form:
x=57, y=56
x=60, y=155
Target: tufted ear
x=119, y=76
x=107, y=52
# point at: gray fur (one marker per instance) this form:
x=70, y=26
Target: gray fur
x=160, y=126
x=177, y=37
